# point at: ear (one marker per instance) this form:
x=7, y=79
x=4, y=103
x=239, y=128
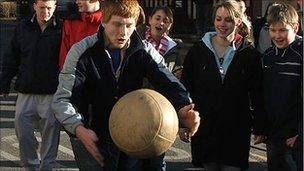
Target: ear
x=238, y=22
x=169, y=27
x=35, y=6
x=150, y=18
x=296, y=27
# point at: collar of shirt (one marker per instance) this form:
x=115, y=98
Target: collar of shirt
x=94, y=17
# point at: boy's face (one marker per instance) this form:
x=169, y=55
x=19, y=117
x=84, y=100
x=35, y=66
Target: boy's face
x=159, y=23
x=282, y=34
x=118, y=30
x=86, y=5
x=44, y=10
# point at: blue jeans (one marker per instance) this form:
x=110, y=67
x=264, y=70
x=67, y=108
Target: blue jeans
x=114, y=159
x=279, y=156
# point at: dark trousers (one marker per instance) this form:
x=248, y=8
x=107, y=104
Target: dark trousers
x=280, y=157
x=114, y=159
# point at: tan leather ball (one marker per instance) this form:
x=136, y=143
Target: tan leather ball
x=143, y=123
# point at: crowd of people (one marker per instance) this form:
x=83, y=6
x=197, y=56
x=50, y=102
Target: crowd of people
x=239, y=79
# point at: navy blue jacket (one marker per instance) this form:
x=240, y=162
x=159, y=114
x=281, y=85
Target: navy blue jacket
x=88, y=77
x=283, y=76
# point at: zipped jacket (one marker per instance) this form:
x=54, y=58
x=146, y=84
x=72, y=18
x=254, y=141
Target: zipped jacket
x=32, y=55
x=283, y=87
x=88, y=77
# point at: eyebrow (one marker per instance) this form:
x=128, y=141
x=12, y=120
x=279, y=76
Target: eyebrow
x=158, y=15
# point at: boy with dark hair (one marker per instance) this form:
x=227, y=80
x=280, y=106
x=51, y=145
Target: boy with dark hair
x=33, y=56
x=102, y=68
x=283, y=76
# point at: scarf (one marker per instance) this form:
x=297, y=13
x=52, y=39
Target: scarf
x=163, y=45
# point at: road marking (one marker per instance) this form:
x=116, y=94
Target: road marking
x=260, y=157
x=9, y=138
x=13, y=94
x=181, y=154
x=7, y=102
x=66, y=150
x=8, y=156
x=8, y=108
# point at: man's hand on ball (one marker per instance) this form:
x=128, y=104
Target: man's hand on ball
x=189, y=118
x=89, y=139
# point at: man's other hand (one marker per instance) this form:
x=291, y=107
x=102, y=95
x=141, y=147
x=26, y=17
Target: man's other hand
x=89, y=139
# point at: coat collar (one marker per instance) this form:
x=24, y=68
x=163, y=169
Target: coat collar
x=33, y=20
x=135, y=42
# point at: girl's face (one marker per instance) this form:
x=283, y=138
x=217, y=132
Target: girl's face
x=224, y=24
x=159, y=23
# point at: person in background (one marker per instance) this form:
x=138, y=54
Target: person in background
x=223, y=73
x=141, y=25
x=262, y=40
x=245, y=30
x=102, y=68
x=203, y=15
x=25, y=8
x=160, y=23
x=32, y=55
x=283, y=87
x=79, y=25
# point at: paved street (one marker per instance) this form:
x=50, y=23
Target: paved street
x=178, y=157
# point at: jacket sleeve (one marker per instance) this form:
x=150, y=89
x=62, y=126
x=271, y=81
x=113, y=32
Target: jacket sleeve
x=164, y=81
x=10, y=62
x=256, y=94
x=71, y=83
x=65, y=44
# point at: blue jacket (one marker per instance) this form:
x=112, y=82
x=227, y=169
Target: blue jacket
x=283, y=77
x=88, y=78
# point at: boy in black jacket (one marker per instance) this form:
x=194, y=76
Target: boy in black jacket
x=283, y=87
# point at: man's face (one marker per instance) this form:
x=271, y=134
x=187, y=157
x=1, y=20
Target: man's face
x=159, y=23
x=86, y=5
x=282, y=34
x=44, y=10
x=118, y=30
